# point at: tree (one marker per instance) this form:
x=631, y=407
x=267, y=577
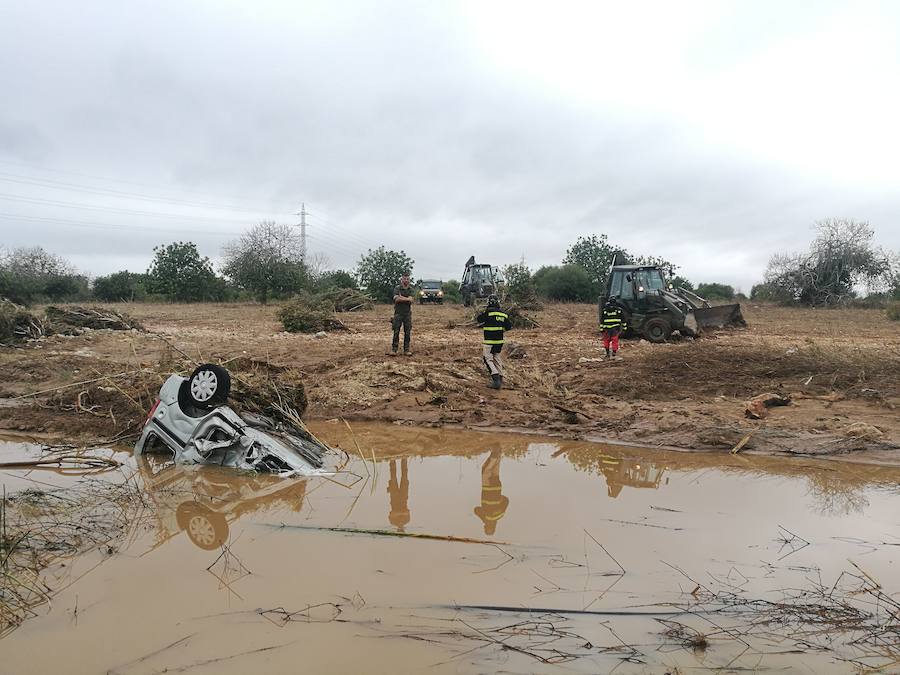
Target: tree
x=120, y=286
x=681, y=282
x=380, y=270
x=715, y=291
x=654, y=260
x=569, y=283
x=841, y=258
x=520, y=285
x=179, y=273
x=266, y=261
x=594, y=254
x=337, y=279
x=31, y=274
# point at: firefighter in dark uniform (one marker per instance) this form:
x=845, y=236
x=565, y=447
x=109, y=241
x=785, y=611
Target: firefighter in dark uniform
x=494, y=321
x=493, y=502
x=612, y=323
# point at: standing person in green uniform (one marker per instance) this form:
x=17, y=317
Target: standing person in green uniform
x=403, y=298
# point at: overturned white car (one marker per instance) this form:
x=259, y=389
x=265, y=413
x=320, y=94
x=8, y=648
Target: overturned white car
x=191, y=419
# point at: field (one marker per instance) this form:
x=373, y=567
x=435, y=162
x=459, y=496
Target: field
x=838, y=366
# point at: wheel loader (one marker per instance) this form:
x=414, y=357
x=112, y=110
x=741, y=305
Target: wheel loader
x=480, y=280
x=654, y=309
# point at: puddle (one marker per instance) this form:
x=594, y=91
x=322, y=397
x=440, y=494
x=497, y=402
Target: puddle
x=226, y=572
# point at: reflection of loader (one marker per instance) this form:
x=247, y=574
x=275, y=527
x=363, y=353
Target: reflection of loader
x=620, y=472
x=654, y=309
x=479, y=281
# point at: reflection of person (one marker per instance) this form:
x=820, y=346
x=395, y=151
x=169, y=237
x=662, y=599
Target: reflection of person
x=493, y=503
x=403, y=298
x=399, y=515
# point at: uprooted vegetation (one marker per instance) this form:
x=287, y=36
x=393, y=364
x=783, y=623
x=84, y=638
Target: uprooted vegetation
x=64, y=318
x=115, y=406
x=705, y=368
x=19, y=324
x=314, y=312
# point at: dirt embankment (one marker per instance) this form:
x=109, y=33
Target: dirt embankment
x=691, y=394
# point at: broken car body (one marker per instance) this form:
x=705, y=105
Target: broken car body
x=191, y=420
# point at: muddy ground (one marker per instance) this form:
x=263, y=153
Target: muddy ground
x=687, y=394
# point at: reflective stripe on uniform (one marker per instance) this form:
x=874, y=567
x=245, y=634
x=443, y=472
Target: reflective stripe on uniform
x=493, y=328
x=500, y=314
x=493, y=342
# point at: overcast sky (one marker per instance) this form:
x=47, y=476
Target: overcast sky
x=711, y=133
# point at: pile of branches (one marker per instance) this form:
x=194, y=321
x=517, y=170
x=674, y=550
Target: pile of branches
x=854, y=619
x=96, y=318
x=347, y=299
x=517, y=317
x=17, y=323
x=309, y=313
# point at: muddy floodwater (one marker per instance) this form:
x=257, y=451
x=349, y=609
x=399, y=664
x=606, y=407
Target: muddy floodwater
x=530, y=555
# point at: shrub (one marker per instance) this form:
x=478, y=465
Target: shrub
x=568, y=283
x=451, y=291
x=893, y=311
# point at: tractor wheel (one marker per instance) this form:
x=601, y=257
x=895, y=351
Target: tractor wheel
x=657, y=329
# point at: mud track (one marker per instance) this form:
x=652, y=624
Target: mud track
x=686, y=394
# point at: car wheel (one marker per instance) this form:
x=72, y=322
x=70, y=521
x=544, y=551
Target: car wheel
x=205, y=528
x=209, y=386
x=657, y=330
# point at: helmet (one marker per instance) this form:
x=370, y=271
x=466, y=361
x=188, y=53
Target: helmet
x=493, y=301
x=612, y=300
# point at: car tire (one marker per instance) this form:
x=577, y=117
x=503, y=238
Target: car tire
x=657, y=330
x=206, y=528
x=209, y=386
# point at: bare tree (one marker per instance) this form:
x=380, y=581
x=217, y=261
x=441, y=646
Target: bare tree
x=267, y=261
x=841, y=259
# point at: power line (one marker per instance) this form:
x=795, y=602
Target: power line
x=110, y=209
x=14, y=217
x=87, y=189
x=118, y=180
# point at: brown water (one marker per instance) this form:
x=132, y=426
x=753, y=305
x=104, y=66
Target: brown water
x=574, y=526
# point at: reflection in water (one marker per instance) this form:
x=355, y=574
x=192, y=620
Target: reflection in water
x=202, y=501
x=493, y=502
x=621, y=471
x=399, y=492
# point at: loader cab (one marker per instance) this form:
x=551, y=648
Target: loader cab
x=633, y=284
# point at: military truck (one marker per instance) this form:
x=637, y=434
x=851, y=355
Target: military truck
x=480, y=281
x=654, y=308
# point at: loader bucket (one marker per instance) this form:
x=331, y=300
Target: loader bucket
x=720, y=316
